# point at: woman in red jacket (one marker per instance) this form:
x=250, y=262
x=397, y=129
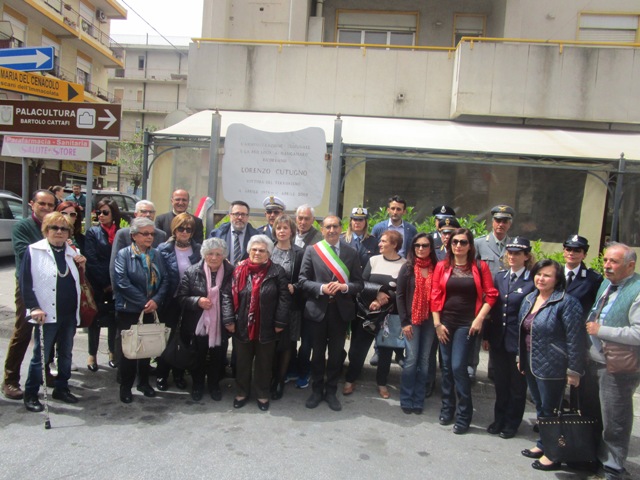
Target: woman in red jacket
x=461, y=297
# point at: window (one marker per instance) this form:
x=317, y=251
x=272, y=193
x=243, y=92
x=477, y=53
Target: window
x=83, y=72
x=467, y=25
x=118, y=94
x=141, y=62
x=138, y=126
x=608, y=28
x=139, y=96
x=377, y=28
x=19, y=29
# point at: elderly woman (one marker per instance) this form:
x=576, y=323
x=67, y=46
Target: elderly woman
x=141, y=286
x=179, y=253
x=380, y=276
x=50, y=286
x=98, y=244
x=462, y=296
x=200, y=294
x=72, y=211
x=289, y=256
x=413, y=297
x=259, y=306
x=357, y=236
x=552, y=346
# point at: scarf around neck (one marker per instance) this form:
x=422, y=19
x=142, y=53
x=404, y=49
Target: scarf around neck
x=420, y=307
x=150, y=269
x=258, y=273
x=209, y=323
x=110, y=231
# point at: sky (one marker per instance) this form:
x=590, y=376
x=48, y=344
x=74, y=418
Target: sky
x=172, y=18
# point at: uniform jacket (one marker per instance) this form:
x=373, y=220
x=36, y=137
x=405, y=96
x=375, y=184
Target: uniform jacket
x=584, y=287
x=368, y=248
x=130, y=288
x=314, y=273
x=265, y=230
x=163, y=222
x=168, y=252
x=275, y=302
x=558, y=336
x=123, y=239
x=487, y=250
x=409, y=232
x=223, y=232
x=98, y=253
x=502, y=330
x=486, y=292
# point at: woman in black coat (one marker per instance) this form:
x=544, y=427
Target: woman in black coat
x=200, y=295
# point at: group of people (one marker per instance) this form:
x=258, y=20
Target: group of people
x=287, y=295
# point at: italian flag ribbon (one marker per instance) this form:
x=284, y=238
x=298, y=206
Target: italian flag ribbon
x=332, y=261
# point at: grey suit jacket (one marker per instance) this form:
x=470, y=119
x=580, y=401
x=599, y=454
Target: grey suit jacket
x=487, y=250
x=314, y=273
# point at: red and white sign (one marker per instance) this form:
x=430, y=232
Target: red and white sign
x=78, y=149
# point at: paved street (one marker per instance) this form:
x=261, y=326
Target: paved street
x=171, y=436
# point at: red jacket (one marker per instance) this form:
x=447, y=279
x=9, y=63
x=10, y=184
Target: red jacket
x=487, y=293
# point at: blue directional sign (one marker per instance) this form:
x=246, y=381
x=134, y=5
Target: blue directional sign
x=27, y=59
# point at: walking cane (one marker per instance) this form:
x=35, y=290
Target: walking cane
x=47, y=422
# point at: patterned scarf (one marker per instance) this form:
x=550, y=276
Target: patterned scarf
x=209, y=323
x=420, y=306
x=150, y=269
x=110, y=231
x=258, y=272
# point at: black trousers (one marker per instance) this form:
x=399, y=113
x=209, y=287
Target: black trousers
x=360, y=344
x=127, y=368
x=511, y=389
x=328, y=335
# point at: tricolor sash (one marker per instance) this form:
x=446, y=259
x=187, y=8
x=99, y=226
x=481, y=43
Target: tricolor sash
x=332, y=261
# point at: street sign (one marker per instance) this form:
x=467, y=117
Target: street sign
x=78, y=149
x=40, y=86
x=27, y=59
x=57, y=119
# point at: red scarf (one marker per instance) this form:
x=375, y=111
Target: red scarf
x=258, y=272
x=110, y=231
x=420, y=307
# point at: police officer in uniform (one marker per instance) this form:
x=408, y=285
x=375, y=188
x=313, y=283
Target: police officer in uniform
x=445, y=230
x=441, y=213
x=273, y=206
x=357, y=236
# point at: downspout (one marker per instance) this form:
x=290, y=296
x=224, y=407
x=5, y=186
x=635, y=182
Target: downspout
x=319, y=5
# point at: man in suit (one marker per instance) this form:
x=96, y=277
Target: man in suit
x=396, y=208
x=273, y=206
x=330, y=277
x=179, y=204
x=441, y=213
x=307, y=235
x=236, y=232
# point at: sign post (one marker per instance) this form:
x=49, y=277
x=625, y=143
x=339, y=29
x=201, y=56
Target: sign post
x=40, y=86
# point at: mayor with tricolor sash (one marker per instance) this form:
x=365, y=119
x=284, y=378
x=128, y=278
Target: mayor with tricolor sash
x=330, y=277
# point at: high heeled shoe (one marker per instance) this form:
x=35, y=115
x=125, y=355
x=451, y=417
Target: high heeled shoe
x=112, y=364
x=92, y=364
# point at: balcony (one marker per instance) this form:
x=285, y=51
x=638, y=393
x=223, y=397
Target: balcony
x=151, y=106
x=569, y=83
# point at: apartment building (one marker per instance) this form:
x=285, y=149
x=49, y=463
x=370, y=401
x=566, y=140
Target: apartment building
x=416, y=70
x=78, y=30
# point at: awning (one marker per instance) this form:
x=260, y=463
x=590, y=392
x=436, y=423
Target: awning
x=428, y=135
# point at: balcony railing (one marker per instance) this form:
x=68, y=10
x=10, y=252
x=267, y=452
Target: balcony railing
x=159, y=106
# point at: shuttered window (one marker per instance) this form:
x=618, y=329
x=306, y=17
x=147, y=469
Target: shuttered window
x=608, y=28
x=377, y=28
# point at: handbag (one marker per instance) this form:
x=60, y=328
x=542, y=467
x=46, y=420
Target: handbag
x=620, y=358
x=88, y=306
x=145, y=340
x=178, y=353
x=569, y=436
x=371, y=319
x=391, y=334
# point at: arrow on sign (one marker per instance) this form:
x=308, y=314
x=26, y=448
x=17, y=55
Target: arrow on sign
x=71, y=92
x=110, y=119
x=37, y=57
x=96, y=150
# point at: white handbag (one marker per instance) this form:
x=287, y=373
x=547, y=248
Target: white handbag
x=145, y=340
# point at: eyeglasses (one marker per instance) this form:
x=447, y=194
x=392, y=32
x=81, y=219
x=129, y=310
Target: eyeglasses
x=258, y=250
x=147, y=212
x=57, y=228
x=462, y=243
x=501, y=220
x=272, y=212
x=185, y=229
x=147, y=234
x=46, y=204
x=572, y=249
x=71, y=214
x=106, y=213
x=422, y=245
x=239, y=215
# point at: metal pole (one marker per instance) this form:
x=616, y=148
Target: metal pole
x=145, y=162
x=25, y=188
x=617, y=198
x=336, y=167
x=214, y=164
x=89, y=201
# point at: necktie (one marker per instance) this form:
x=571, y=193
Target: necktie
x=356, y=242
x=513, y=277
x=334, y=248
x=237, y=251
x=570, y=276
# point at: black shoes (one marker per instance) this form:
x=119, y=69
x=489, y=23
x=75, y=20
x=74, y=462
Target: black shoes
x=546, y=468
x=93, y=367
x=196, y=395
x=445, y=420
x=65, y=395
x=263, y=406
x=529, y=454
x=180, y=382
x=162, y=384
x=216, y=394
x=146, y=390
x=494, y=428
x=125, y=395
x=407, y=410
x=314, y=400
x=507, y=434
x=417, y=411
x=32, y=403
x=460, y=429
x=278, y=391
x=239, y=402
x=334, y=403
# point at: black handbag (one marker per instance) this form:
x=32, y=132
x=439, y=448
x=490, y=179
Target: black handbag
x=371, y=319
x=569, y=436
x=178, y=353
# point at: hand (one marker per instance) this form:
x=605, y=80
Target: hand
x=519, y=369
x=443, y=334
x=291, y=289
x=374, y=306
x=593, y=328
x=476, y=326
x=573, y=380
x=278, y=329
x=333, y=288
x=204, y=303
x=485, y=345
x=38, y=316
x=408, y=332
x=231, y=327
x=150, y=307
x=382, y=298
x=80, y=260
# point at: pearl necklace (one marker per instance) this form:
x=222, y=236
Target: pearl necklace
x=60, y=250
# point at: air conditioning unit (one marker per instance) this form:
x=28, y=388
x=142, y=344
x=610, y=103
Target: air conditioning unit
x=104, y=171
x=100, y=16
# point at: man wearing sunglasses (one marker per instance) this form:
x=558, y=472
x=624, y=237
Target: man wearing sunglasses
x=179, y=204
x=24, y=233
x=273, y=206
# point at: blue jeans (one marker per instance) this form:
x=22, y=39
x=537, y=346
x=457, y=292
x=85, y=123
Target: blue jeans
x=546, y=394
x=616, y=399
x=62, y=333
x=454, y=371
x=416, y=365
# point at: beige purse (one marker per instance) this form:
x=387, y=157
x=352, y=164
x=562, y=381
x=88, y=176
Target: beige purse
x=145, y=340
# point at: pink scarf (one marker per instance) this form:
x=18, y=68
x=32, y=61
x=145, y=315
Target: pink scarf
x=209, y=323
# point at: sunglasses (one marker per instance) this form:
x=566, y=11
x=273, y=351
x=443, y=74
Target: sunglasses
x=71, y=214
x=572, y=249
x=147, y=234
x=56, y=228
x=422, y=245
x=501, y=220
x=106, y=213
x=185, y=229
x=271, y=212
x=462, y=243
